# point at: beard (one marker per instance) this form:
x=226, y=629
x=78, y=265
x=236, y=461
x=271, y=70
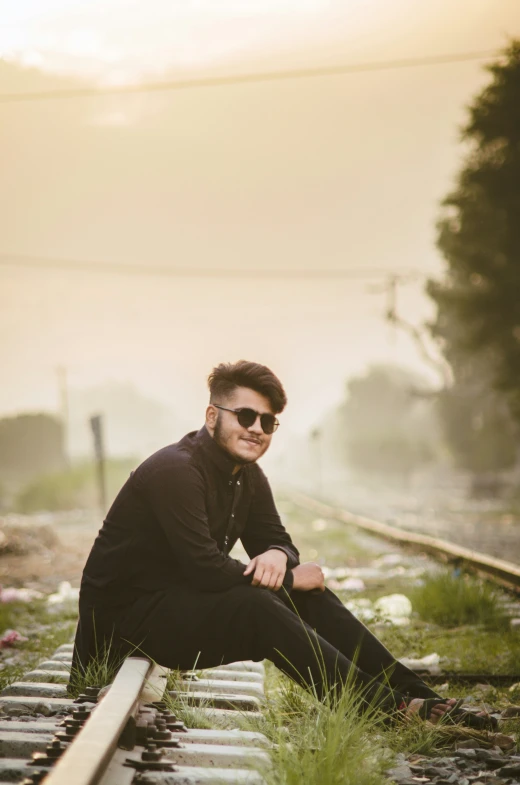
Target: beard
x=220, y=437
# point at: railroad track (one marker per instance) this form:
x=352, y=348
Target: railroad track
x=130, y=736
x=499, y=571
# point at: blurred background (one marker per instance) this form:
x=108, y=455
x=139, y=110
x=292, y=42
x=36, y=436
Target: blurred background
x=328, y=187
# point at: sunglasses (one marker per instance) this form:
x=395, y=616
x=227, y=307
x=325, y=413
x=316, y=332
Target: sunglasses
x=247, y=417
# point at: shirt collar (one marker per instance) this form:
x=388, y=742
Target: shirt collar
x=219, y=456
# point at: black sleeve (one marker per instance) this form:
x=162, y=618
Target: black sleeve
x=176, y=496
x=264, y=529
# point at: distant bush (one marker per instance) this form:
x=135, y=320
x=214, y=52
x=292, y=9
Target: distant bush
x=29, y=445
x=451, y=601
x=71, y=489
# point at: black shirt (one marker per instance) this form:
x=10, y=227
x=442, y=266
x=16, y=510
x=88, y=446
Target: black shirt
x=175, y=520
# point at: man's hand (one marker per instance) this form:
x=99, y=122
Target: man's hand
x=269, y=569
x=308, y=576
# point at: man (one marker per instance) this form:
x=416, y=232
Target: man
x=160, y=578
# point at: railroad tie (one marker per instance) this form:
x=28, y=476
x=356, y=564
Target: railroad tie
x=130, y=734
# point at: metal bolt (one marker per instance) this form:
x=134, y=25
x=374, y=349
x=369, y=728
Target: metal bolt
x=81, y=714
x=73, y=725
x=176, y=727
x=151, y=753
x=54, y=749
x=168, y=716
x=162, y=734
x=35, y=778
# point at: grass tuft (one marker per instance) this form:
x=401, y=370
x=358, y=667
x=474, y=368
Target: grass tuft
x=452, y=601
x=45, y=632
x=100, y=671
x=320, y=742
x=192, y=716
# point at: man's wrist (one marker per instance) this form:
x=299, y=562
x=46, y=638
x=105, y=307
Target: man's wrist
x=281, y=550
x=288, y=581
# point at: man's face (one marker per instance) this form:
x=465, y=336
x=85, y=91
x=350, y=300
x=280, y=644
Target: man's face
x=245, y=445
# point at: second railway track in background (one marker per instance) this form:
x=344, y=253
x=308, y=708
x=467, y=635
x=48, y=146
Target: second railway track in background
x=499, y=571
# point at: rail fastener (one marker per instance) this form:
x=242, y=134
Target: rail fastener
x=86, y=759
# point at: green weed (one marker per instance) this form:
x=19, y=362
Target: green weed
x=100, y=670
x=414, y=736
x=318, y=741
x=451, y=601
x=192, y=716
x=45, y=632
x=72, y=488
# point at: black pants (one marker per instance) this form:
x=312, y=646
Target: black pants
x=310, y=636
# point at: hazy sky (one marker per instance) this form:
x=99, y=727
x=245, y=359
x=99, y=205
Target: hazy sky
x=339, y=173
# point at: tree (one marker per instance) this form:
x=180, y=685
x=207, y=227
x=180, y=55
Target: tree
x=478, y=302
x=30, y=444
x=387, y=423
x=478, y=430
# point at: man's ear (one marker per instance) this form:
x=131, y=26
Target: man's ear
x=211, y=418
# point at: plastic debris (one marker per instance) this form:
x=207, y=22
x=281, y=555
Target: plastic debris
x=319, y=525
x=430, y=663
x=388, y=560
x=349, y=584
x=340, y=573
x=395, y=608
x=11, y=594
x=64, y=594
x=10, y=637
x=361, y=608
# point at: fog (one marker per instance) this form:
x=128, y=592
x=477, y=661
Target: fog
x=336, y=181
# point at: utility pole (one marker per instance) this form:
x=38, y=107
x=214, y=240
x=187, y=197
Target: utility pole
x=96, y=423
x=61, y=372
x=389, y=287
x=316, y=440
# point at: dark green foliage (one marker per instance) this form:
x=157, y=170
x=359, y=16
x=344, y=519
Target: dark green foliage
x=478, y=318
x=388, y=422
x=478, y=428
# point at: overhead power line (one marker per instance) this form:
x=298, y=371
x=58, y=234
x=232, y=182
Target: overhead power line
x=250, y=78
x=35, y=262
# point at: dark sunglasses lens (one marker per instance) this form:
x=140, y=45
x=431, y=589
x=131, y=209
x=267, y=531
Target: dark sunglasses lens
x=268, y=423
x=246, y=417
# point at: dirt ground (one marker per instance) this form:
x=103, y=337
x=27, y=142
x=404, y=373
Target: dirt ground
x=41, y=551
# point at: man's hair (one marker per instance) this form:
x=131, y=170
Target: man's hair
x=226, y=377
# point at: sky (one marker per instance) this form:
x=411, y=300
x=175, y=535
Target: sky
x=332, y=177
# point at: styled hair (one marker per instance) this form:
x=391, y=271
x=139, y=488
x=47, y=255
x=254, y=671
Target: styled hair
x=226, y=377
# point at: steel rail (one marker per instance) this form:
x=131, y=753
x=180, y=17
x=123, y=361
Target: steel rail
x=499, y=571
x=87, y=757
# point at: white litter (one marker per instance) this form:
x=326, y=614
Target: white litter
x=64, y=594
x=430, y=663
x=11, y=594
x=340, y=573
x=388, y=560
x=349, y=584
x=393, y=605
x=393, y=608
x=361, y=608
x=319, y=525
